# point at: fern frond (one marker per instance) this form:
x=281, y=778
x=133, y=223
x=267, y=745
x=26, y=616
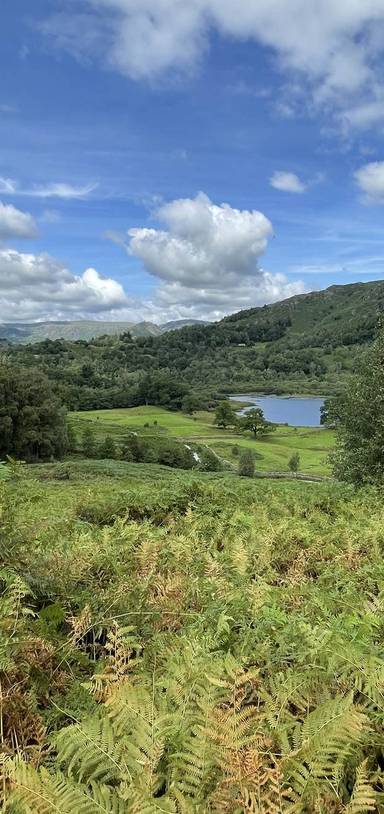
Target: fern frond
x=42, y=793
x=91, y=751
x=363, y=797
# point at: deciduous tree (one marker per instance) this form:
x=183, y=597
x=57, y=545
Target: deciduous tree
x=32, y=418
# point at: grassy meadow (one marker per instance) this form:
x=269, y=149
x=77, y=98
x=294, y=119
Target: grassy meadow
x=272, y=452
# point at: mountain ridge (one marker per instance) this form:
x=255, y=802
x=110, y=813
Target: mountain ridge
x=84, y=329
x=309, y=343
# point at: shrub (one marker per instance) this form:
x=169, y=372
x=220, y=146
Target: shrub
x=88, y=443
x=176, y=455
x=294, y=462
x=247, y=464
x=107, y=448
x=209, y=461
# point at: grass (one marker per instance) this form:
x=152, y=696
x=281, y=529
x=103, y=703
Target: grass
x=272, y=452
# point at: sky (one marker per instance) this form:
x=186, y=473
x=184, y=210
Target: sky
x=173, y=159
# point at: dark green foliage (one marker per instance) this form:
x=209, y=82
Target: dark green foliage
x=162, y=388
x=254, y=421
x=307, y=344
x=294, y=462
x=191, y=403
x=107, y=448
x=208, y=461
x=88, y=444
x=133, y=448
x=168, y=452
x=225, y=415
x=171, y=453
x=32, y=420
x=247, y=464
x=359, y=456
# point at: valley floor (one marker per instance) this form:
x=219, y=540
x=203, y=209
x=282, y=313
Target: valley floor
x=272, y=452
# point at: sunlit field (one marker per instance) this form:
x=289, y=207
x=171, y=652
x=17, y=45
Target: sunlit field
x=272, y=451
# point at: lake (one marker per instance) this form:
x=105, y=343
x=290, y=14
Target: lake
x=298, y=412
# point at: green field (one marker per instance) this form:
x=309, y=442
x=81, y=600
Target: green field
x=272, y=452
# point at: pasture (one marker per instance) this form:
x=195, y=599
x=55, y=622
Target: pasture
x=272, y=452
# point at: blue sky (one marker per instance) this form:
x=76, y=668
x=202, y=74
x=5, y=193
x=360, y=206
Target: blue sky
x=125, y=125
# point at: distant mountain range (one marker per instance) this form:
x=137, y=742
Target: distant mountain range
x=28, y=332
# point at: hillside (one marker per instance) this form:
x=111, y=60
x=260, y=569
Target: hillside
x=306, y=344
x=28, y=332
x=189, y=641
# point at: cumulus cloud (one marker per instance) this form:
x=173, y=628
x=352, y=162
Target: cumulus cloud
x=16, y=224
x=370, y=180
x=334, y=47
x=207, y=259
x=203, y=257
x=204, y=242
x=34, y=287
x=287, y=182
x=8, y=186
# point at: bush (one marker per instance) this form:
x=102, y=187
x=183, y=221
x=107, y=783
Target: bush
x=247, y=464
x=236, y=450
x=107, y=448
x=294, y=462
x=176, y=455
x=89, y=443
x=209, y=461
x=133, y=449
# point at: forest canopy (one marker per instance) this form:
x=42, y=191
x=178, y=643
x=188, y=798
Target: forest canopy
x=32, y=419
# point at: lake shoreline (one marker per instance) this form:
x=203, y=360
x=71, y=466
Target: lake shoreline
x=294, y=411
x=235, y=396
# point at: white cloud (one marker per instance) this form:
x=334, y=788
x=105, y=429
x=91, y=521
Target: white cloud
x=16, y=224
x=205, y=242
x=207, y=259
x=179, y=302
x=370, y=180
x=35, y=287
x=287, y=181
x=335, y=47
x=8, y=186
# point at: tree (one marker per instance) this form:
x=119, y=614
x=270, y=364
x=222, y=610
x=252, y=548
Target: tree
x=107, y=448
x=225, y=416
x=191, y=402
x=88, y=443
x=247, y=464
x=294, y=463
x=254, y=421
x=161, y=387
x=330, y=412
x=32, y=418
x=359, y=456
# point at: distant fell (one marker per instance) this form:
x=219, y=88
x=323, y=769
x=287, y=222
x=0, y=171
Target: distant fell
x=29, y=332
